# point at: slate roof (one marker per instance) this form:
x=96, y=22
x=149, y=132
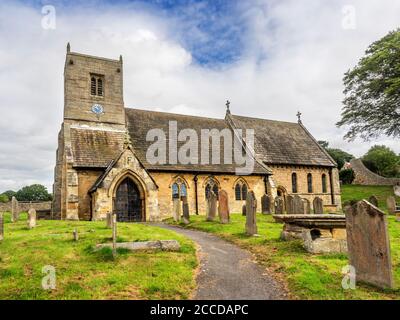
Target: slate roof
x=140, y=122
x=286, y=143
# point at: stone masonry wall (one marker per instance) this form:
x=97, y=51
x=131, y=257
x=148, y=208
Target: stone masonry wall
x=363, y=176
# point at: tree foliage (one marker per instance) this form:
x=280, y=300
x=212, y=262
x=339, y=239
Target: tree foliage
x=383, y=161
x=35, y=192
x=340, y=156
x=346, y=176
x=4, y=198
x=372, y=91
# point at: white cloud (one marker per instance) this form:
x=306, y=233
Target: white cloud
x=294, y=58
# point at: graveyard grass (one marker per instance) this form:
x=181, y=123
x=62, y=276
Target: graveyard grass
x=82, y=273
x=305, y=275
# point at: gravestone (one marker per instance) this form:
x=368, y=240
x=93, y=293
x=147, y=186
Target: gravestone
x=211, y=206
x=109, y=220
x=306, y=206
x=176, y=209
x=290, y=205
x=396, y=189
x=298, y=206
x=75, y=235
x=373, y=200
x=251, y=205
x=279, y=205
x=244, y=210
x=1, y=226
x=266, y=204
x=31, y=218
x=223, y=207
x=14, y=209
x=185, y=209
x=391, y=204
x=318, y=206
x=368, y=244
x=114, y=234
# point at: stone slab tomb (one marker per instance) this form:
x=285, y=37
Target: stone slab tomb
x=163, y=245
x=211, y=206
x=223, y=207
x=325, y=233
x=368, y=244
x=251, y=218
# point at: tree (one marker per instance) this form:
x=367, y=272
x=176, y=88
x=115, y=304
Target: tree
x=383, y=161
x=372, y=91
x=340, y=156
x=346, y=176
x=4, y=198
x=35, y=192
x=10, y=194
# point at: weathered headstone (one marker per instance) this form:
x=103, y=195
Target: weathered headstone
x=396, y=189
x=368, y=244
x=279, y=205
x=176, y=210
x=109, y=220
x=306, y=206
x=318, y=205
x=185, y=209
x=373, y=200
x=223, y=206
x=75, y=235
x=114, y=234
x=290, y=205
x=244, y=210
x=14, y=209
x=31, y=218
x=1, y=226
x=391, y=204
x=298, y=207
x=211, y=206
x=251, y=219
x=266, y=204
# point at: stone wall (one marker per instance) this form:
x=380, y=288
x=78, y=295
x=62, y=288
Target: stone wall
x=24, y=206
x=363, y=176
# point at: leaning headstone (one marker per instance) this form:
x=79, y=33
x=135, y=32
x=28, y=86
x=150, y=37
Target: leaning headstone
x=298, y=207
x=1, y=226
x=114, y=234
x=368, y=244
x=109, y=220
x=266, y=204
x=31, y=218
x=185, y=209
x=176, y=210
x=211, y=206
x=318, y=205
x=223, y=206
x=244, y=210
x=290, y=205
x=306, y=206
x=14, y=209
x=251, y=205
x=391, y=204
x=373, y=200
x=279, y=205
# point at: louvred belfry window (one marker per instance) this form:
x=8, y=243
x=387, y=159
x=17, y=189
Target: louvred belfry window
x=97, y=85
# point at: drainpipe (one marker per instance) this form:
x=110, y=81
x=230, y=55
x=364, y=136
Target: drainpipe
x=332, y=189
x=265, y=184
x=195, y=192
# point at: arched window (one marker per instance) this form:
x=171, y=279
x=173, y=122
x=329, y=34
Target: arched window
x=93, y=86
x=294, y=182
x=309, y=183
x=211, y=185
x=99, y=87
x=241, y=190
x=324, y=188
x=179, y=189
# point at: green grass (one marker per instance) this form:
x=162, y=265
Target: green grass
x=82, y=273
x=307, y=276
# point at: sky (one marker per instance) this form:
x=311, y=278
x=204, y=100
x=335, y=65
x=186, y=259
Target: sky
x=270, y=58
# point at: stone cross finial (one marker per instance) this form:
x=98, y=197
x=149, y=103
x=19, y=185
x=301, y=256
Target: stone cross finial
x=228, y=103
x=68, y=47
x=299, y=116
x=127, y=141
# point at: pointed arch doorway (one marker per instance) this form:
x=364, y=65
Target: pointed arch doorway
x=129, y=203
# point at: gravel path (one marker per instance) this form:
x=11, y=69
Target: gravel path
x=228, y=272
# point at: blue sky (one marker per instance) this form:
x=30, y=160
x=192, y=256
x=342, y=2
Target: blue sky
x=270, y=58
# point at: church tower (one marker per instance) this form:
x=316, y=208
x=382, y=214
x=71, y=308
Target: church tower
x=93, y=89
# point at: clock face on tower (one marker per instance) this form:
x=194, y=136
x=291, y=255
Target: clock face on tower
x=97, y=109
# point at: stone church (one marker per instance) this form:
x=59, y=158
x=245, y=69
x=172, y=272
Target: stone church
x=101, y=163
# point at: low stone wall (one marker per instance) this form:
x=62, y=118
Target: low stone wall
x=363, y=176
x=43, y=208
